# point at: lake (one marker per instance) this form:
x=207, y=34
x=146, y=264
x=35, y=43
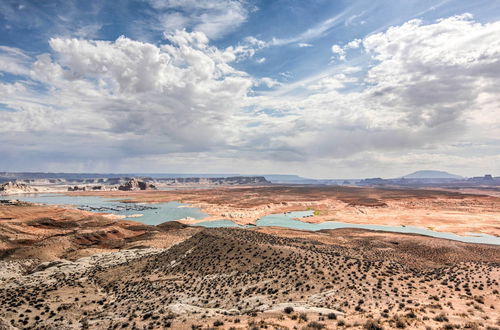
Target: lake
x=154, y=214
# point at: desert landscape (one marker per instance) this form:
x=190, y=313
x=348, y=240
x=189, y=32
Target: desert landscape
x=249, y=164
x=66, y=268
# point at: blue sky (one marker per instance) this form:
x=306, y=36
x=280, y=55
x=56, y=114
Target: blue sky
x=29, y=24
x=317, y=88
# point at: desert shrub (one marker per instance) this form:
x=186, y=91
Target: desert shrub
x=471, y=325
x=441, y=318
x=400, y=322
x=372, y=325
x=332, y=316
x=479, y=299
x=315, y=325
x=218, y=323
x=411, y=315
x=288, y=310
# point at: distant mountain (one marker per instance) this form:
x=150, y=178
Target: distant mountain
x=7, y=176
x=427, y=174
x=187, y=175
x=287, y=178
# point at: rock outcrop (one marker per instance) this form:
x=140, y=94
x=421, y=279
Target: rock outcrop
x=76, y=188
x=15, y=188
x=135, y=184
x=234, y=180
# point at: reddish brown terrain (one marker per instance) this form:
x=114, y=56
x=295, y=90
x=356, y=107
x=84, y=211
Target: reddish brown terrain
x=69, y=269
x=48, y=233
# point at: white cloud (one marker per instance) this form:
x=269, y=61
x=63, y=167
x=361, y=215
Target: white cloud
x=303, y=45
x=214, y=18
x=14, y=61
x=336, y=49
x=256, y=42
x=269, y=82
x=430, y=84
x=435, y=72
x=339, y=51
x=174, y=21
x=132, y=97
x=426, y=90
x=90, y=31
x=314, y=32
x=334, y=82
x=248, y=48
x=351, y=21
x=353, y=44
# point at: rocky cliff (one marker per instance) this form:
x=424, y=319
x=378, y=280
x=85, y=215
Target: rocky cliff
x=135, y=184
x=15, y=188
x=235, y=180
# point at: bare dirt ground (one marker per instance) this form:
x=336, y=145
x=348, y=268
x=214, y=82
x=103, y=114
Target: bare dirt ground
x=439, y=210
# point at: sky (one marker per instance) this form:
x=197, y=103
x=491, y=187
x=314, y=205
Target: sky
x=322, y=89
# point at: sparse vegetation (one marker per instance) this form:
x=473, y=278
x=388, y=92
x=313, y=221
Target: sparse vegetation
x=228, y=277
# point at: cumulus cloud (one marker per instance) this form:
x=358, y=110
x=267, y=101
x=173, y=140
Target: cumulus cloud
x=430, y=83
x=339, y=51
x=434, y=73
x=353, y=44
x=134, y=97
x=426, y=89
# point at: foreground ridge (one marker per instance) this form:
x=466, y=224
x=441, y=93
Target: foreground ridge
x=265, y=277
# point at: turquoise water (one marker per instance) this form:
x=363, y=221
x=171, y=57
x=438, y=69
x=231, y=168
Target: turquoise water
x=154, y=214
x=286, y=220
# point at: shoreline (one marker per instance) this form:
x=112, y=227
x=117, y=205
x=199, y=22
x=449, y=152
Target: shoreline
x=459, y=216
